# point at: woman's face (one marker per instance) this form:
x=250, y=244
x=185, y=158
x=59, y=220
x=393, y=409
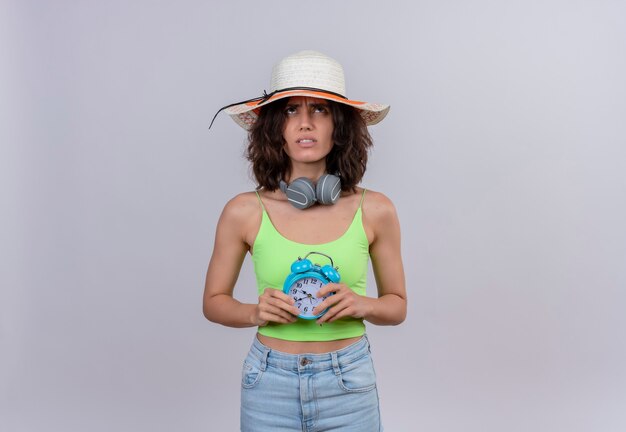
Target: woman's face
x=308, y=129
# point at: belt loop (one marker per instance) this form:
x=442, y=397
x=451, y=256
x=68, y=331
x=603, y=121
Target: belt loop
x=367, y=342
x=264, y=355
x=333, y=355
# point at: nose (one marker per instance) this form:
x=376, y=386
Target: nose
x=305, y=120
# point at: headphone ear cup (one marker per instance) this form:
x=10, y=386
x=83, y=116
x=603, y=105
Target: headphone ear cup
x=328, y=189
x=301, y=193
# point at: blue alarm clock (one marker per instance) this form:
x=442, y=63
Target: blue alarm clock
x=305, y=280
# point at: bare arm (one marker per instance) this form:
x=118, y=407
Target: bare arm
x=389, y=308
x=239, y=219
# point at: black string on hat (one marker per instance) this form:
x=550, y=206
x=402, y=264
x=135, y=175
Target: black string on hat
x=266, y=96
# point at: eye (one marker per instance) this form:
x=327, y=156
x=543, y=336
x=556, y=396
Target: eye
x=322, y=109
x=291, y=110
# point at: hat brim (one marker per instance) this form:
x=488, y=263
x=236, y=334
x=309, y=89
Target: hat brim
x=245, y=114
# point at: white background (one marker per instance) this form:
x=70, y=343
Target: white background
x=504, y=152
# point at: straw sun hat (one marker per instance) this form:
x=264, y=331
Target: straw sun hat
x=306, y=73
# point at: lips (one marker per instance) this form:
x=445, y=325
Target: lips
x=306, y=142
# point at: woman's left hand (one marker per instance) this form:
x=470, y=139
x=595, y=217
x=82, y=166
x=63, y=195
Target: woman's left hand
x=343, y=303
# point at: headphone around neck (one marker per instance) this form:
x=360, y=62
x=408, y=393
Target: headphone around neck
x=302, y=193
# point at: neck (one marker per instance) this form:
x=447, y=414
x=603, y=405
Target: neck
x=310, y=171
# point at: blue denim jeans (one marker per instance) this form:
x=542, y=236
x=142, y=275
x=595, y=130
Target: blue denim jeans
x=334, y=391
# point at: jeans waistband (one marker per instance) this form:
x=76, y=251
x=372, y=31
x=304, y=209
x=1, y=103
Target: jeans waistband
x=309, y=362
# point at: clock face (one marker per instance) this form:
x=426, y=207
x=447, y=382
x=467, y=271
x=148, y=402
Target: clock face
x=304, y=292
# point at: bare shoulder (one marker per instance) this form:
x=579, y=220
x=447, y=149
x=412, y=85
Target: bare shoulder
x=378, y=207
x=379, y=216
x=242, y=206
x=242, y=215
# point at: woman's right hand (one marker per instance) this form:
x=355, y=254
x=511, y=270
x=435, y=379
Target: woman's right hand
x=275, y=306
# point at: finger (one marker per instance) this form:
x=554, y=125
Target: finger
x=332, y=314
x=268, y=310
x=328, y=302
x=268, y=316
x=288, y=316
x=337, y=316
x=329, y=288
x=332, y=305
x=276, y=293
x=281, y=295
x=280, y=300
x=338, y=311
x=280, y=305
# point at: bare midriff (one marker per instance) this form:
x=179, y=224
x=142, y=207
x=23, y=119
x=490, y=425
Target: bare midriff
x=297, y=347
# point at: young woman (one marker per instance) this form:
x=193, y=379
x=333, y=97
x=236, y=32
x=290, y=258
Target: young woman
x=309, y=367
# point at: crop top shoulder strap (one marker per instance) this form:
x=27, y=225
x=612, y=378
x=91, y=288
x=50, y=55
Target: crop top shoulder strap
x=260, y=201
x=362, y=198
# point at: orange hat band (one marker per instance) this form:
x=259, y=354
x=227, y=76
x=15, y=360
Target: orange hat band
x=276, y=93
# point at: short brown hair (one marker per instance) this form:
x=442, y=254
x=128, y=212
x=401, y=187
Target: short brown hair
x=348, y=157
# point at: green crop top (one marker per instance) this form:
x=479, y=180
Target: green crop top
x=273, y=255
